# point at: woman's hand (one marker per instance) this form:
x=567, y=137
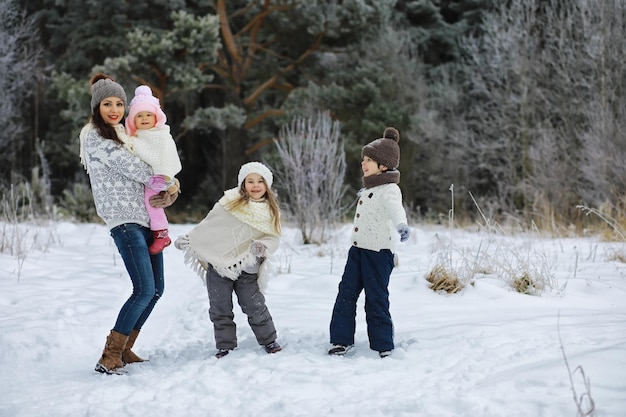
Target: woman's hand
x=163, y=199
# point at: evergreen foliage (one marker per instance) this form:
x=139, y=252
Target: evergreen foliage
x=519, y=102
x=20, y=72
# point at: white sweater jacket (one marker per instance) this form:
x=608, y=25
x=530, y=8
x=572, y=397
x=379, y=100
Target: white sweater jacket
x=157, y=148
x=378, y=213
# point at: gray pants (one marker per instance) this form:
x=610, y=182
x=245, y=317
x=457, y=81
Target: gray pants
x=252, y=303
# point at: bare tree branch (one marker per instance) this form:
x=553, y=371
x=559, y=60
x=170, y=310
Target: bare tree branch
x=313, y=167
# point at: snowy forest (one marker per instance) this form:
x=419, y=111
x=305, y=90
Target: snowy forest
x=517, y=105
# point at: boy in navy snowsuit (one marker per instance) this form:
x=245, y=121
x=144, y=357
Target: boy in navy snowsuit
x=379, y=216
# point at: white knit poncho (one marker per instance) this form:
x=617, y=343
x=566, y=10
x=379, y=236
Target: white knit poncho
x=223, y=239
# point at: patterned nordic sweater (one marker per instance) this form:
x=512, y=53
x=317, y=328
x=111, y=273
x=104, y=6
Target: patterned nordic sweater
x=378, y=212
x=117, y=178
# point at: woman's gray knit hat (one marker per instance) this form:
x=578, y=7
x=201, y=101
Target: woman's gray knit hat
x=385, y=150
x=103, y=86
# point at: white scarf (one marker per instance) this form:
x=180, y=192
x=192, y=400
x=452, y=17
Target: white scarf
x=256, y=213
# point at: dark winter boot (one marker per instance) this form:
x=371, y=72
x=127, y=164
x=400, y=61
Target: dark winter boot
x=161, y=241
x=272, y=347
x=111, y=359
x=128, y=356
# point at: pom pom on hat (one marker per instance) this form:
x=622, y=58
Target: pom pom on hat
x=103, y=86
x=391, y=133
x=144, y=101
x=385, y=150
x=255, y=168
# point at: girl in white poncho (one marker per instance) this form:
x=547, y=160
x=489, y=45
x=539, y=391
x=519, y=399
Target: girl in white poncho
x=231, y=244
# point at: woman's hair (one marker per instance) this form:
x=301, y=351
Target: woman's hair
x=104, y=129
x=271, y=200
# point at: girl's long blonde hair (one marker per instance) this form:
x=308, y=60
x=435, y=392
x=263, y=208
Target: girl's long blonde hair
x=271, y=200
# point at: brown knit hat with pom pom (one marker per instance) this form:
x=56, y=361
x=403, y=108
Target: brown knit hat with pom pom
x=385, y=150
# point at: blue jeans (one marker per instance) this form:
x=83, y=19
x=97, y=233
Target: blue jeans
x=146, y=273
x=365, y=270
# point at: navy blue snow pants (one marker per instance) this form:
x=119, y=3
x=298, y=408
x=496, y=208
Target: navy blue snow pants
x=365, y=270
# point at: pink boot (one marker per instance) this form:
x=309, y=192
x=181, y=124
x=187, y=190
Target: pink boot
x=161, y=241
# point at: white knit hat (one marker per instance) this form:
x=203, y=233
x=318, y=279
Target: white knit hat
x=255, y=168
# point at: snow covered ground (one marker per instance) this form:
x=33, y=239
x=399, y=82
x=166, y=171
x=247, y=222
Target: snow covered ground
x=487, y=351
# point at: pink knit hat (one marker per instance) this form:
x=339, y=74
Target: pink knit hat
x=144, y=101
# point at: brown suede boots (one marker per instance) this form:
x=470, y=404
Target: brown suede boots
x=128, y=356
x=111, y=360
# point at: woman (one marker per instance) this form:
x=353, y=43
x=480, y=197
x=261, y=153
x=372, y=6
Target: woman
x=117, y=181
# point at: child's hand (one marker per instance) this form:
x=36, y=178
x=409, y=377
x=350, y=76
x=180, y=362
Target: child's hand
x=182, y=242
x=404, y=231
x=175, y=187
x=258, y=249
x=157, y=183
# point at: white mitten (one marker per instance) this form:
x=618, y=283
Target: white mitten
x=404, y=231
x=258, y=249
x=182, y=242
